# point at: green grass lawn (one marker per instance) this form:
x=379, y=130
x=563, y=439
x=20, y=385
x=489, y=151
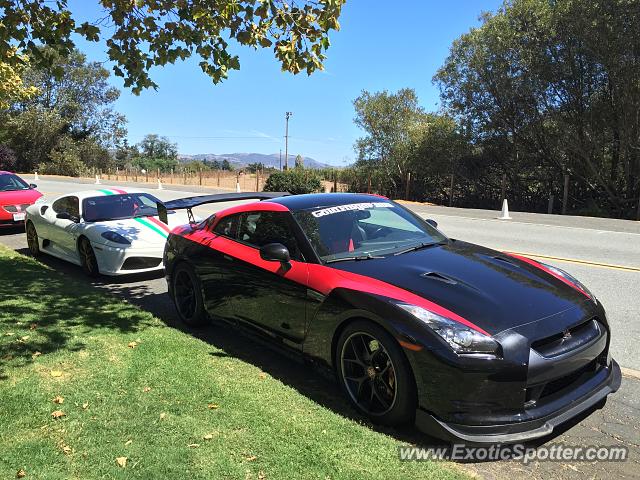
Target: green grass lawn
x=173, y=405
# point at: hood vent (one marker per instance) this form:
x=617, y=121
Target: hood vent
x=439, y=276
x=502, y=259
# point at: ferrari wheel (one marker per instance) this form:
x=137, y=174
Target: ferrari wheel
x=375, y=374
x=88, y=258
x=187, y=296
x=32, y=239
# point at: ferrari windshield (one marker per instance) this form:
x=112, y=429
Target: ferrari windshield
x=119, y=207
x=9, y=182
x=363, y=230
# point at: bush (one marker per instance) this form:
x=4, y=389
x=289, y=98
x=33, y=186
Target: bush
x=294, y=181
x=65, y=159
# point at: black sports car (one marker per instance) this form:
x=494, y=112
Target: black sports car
x=472, y=344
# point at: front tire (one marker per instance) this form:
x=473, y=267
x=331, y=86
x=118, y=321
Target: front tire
x=375, y=374
x=187, y=296
x=88, y=258
x=33, y=242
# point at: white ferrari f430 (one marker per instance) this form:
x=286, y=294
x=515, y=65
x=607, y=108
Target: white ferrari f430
x=108, y=231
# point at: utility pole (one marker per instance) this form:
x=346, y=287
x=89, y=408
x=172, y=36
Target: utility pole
x=280, y=159
x=286, y=140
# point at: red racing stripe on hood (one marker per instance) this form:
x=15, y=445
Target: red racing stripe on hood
x=550, y=272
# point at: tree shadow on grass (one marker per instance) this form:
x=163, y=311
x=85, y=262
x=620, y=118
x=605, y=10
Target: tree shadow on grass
x=44, y=311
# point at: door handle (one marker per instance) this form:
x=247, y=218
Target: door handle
x=227, y=257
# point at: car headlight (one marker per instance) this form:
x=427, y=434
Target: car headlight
x=115, y=238
x=571, y=279
x=460, y=338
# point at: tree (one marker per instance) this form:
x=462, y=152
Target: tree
x=546, y=89
x=389, y=121
x=81, y=95
x=12, y=86
x=255, y=167
x=299, y=161
x=148, y=33
x=155, y=146
x=7, y=158
x=71, y=111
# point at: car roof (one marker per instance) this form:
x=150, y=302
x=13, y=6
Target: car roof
x=4, y=172
x=317, y=200
x=100, y=192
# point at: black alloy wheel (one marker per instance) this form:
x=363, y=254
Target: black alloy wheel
x=187, y=296
x=375, y=374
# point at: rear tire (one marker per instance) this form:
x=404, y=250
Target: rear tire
x=187, y=296
x=88, y=258
x=375, y=374
x=33, y=242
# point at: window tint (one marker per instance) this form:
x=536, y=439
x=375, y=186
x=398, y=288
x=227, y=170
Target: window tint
x=10, y=182
x=225, y=226
x=70, y=205
x=369, y=228
x=261, y=228
x=119, y=207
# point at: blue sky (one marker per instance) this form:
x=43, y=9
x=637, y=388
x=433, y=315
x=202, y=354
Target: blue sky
x=381, y=45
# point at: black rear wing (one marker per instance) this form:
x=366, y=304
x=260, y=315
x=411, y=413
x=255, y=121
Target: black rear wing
x=191, y=202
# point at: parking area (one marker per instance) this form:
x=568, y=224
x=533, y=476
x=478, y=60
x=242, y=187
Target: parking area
x=603, y=253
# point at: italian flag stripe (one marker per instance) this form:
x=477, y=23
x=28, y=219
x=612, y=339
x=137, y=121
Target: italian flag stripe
x=160, y=224
x=146, y=223
x=112, y=191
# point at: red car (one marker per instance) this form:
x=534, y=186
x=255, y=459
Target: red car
x=15, y=196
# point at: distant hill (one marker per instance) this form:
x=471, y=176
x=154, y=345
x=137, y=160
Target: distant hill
x=239, y=160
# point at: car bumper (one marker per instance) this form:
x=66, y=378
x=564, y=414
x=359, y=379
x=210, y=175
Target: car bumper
x=533, y=425
x=7, y=219
x=125, y=261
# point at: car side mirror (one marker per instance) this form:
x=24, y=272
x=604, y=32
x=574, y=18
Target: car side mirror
x=33, y=186
x=275, y=252
x=67, y=216
x=433, y=223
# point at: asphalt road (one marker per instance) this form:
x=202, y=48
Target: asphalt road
x=603, y=253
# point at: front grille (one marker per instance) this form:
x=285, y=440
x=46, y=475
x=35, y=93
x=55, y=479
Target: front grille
x=138, y=263
x=562, y=385
x=16, y=208
x=568, y=340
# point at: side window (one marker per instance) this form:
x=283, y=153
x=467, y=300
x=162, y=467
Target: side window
x=225, y=226
x=60, y=205
x=261, y=228
x=70, y=205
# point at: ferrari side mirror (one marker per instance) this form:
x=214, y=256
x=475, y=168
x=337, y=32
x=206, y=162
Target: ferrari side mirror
x=33, y=186
x=275, y=252
x=67, y=216
x=433, y=223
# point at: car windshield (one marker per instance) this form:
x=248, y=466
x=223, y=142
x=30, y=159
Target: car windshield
x=365, y=230
x=119, y=207
x=9, y=182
